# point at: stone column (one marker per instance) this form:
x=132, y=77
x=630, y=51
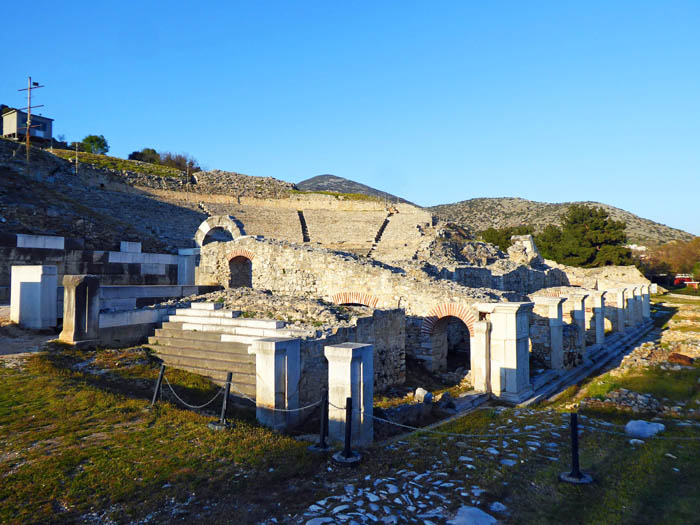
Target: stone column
x=33, y=296
x=598, y=306
x=480, y=350
x=510, y=349
x=621, y=303
x=277, y=371
x=81, y=310
x=630, y=320
x=638, y=305
x=646, y=303
x=576, y=304
x=556, y=327
x=351, y=374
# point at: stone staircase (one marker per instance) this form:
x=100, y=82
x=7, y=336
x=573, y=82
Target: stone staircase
x=550, y=382
x=208, y=340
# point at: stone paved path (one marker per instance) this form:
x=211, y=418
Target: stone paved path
x=449, y=491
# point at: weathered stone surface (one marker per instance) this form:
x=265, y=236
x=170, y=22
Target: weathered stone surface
x=680, y=359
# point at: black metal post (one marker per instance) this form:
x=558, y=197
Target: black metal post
x=575, y=476
x=222, y=424
x=322, y=446
x=224, y=403
x=347, y=452
x=575, y=470
x=159, y=384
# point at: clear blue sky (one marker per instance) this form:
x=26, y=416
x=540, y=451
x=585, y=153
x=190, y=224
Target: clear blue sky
x=434, y=101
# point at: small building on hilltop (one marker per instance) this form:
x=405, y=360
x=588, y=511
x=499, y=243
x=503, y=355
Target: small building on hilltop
x=14, y=125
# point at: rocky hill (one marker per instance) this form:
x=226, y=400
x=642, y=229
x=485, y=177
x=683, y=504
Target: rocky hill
x=479, y=214
x=336, y=184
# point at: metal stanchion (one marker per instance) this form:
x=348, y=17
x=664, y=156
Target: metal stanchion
x=222, y=424
x=347, y=458
x=322, y=446
x=159, y=384
x=575, y=476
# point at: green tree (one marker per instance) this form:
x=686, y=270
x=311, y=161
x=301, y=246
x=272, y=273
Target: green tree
x=587, y=238
x=146, y=155
x=95, y=144
x=501, y=236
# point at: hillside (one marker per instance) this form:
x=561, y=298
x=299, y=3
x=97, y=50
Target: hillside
x=479, y=214
x=336, y=184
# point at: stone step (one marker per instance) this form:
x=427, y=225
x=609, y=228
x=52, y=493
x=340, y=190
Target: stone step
x=206, y=306
x=234, y=350
x=265, y=324
x=177, y=358
x=240, y=382
x=246, y=334
x=178, y=333
x=226, y=314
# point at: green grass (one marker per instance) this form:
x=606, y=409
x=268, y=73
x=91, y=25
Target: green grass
x=115, y=163
x=73, y=441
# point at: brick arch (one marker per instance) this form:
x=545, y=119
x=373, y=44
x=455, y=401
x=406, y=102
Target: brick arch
x=466, y=314
x=240, y=252
x=355, y=298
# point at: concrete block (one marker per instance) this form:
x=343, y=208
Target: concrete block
x=33, y=296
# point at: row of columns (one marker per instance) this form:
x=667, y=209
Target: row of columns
x=500, y=344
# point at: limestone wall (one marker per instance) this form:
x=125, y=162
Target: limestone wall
x=384, y=330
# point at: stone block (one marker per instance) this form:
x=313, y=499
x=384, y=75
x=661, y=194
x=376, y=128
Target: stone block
x=81, y=310
x=130, y=247
x=351, y=375
x=33, y=296
x=278, y=369
x=40, y=241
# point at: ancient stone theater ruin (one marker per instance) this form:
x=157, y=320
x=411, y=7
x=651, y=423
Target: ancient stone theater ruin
x=297, y=292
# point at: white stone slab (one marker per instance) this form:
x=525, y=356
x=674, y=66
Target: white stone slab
x=206, y=306
x=33, y=296
x=40, y=241
x=130, y=247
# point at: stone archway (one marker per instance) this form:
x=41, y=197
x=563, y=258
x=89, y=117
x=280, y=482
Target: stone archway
x=460, y=311
x=218, y=222
x=240, y=264
x=355, y=298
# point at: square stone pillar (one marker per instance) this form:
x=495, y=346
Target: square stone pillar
x=33, y=296
x=351, y=374
x=597, y=301
x=629, y=307
x=277, y=371
x=556, y=329
x=186, y=265
x=653, y=288
x=646, y=302
x=81, y=310
x=621, y=315
x=510, y=349
x=638, y=305
x=480, y=356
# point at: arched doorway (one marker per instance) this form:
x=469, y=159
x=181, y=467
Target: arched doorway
x=450, y=338
x=241, y=272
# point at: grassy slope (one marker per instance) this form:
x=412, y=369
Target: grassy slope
x=74, y=441
x=115, y=163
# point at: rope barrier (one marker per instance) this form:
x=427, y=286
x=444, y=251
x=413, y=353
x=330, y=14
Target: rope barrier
x=451, y=434
x=194, y=407
x=277, y=409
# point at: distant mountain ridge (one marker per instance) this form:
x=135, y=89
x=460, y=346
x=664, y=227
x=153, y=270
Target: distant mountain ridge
x=479, y=214
x=343, y=185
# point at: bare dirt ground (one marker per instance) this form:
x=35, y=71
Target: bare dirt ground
x=17, y=343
